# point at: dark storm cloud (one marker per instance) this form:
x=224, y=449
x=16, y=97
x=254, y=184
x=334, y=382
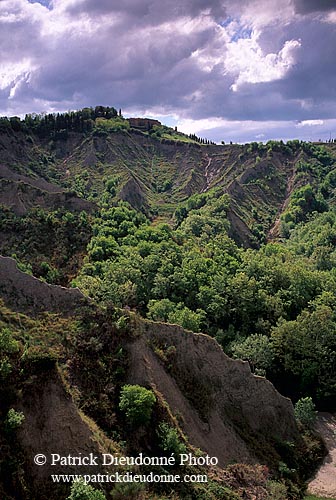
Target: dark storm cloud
x=313, y=77
x=260, y=102
x=171, y=56
x=19, y=38
x=150, y=11
x=134, y=69
x=307, y=6
x=113, y=65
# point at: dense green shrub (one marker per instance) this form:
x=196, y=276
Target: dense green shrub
x=170, y=441
x=257, y=350
x=82, y=491
x=13, y=420
x=127, y=491
x=136, y=403
x=304, y=411
x=8, y=347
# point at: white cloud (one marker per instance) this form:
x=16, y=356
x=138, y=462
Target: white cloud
x=214, y=53
x=331, y=17
x=242, y=131
x=12, y=73
x=310, y=123
x=247, y=61
x=261, y=13
x=189, y=126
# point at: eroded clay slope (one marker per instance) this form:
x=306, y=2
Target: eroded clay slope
x=20, y=193
x=22, y=292
x=53, y=425
x=223, y=408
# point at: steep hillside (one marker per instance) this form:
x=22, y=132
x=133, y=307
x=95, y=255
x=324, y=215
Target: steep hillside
x=119, y=239
x=154, y=173
x=213, y=394
x=22, y=292
x=221, y=407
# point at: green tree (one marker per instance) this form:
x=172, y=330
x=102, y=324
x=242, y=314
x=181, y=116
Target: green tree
x=13, y=420
x=191, y=320
x=304, y=411
x=170, y=441
x=256, y=349
x=128, y=491
x=305, y=348
x=159, y=310
x=8, y=347
x=137, y=402
x=82, y=491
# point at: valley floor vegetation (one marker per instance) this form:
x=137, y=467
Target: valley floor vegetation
x=274, y=306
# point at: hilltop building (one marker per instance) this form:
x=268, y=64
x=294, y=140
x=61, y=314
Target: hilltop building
x=144, y=124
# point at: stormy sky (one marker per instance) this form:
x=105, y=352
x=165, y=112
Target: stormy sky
x=240, y=70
